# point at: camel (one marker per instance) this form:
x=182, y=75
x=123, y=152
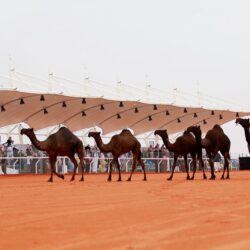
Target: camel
x=118, y=145
x=63, y=143
x=215, y=140
x=245, y=124
x=183, y=145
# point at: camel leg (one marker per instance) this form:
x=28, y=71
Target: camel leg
x=83, y=167
x=212, y=169
x=133, y=168
x=173, y=168
x=52, y=166
x=80, y=155
x=4, y=167
x=226, y=165
x=72, y=158
x=186, y=166
x=52, y=169
x=202, y=166
x=119, y=169
x=110, y=170
x=228, y=158
x=142, y=166
x=194, y=166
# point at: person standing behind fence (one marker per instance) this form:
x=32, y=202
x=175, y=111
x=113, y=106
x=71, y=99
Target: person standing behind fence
x=9, y=147
x=29, y=154
x=95, y=160
x=103, y=163
x=216, y=161
x=9, y=144
x=3, y=161
x=87, y=158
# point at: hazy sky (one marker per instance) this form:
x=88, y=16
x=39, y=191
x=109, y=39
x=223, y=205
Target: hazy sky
x=169, y=44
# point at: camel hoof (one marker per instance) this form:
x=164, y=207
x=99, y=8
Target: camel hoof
x=228, y=177
x=204, y=177
x=119, y=180
x=109, y=180
x=62, y=176
x=222, y=178
x=72, y=179
x=144, y=179
x=81, y=179
x=191, y=179
x=212, y=178
x=169, y=179
x=128, y=179
x=50, y=180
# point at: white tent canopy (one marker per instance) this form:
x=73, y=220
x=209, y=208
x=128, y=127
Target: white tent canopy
x=111, y=107
x=44, y=110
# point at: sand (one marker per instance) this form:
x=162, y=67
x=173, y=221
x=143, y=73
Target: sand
x=96, y=214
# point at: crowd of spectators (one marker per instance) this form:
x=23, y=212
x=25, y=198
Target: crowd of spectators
x=95, y=161
x=147, y=152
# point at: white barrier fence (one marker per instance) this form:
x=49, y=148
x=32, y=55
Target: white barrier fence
x=15, y=165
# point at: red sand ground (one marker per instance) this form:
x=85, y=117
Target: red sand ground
x=156, y=214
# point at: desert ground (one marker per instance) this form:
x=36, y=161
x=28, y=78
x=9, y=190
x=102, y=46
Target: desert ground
x=96, y=214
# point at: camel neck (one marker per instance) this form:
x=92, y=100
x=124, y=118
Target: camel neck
x=199, y=140
x=38, y=144
x=103, y=147
x=167, y=143
x=247, y=134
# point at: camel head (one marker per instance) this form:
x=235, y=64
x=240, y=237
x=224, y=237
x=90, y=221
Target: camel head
x=243, y=122
x=161, y=133
x=196, y=130
x=27, y=131
x=94, y=134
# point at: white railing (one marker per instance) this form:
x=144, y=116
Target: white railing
x=96, y=164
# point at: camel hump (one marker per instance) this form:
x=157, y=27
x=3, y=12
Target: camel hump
x=126, y=130
x=65, y=132
x=64, y=129
x=216, y=126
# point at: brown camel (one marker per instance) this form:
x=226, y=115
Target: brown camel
x=245, y=124
x=183, y=145
x=214, y=141
x=63, y=143
x=118, y=145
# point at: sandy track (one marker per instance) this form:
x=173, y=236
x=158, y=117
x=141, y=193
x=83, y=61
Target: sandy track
x=156, y=214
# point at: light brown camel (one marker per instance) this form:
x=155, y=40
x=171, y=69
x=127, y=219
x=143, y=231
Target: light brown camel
x=214, y=141
x=118, y=145
x=184, y=145
x=63, y=143
x=245, y=124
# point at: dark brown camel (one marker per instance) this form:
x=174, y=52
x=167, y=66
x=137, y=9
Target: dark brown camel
x=63, y=143
x=245, y=124
x=118, y=145
x=184, y=145
x=214, y=141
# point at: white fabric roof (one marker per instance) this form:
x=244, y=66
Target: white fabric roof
x=57, y=90
x=148, y=118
